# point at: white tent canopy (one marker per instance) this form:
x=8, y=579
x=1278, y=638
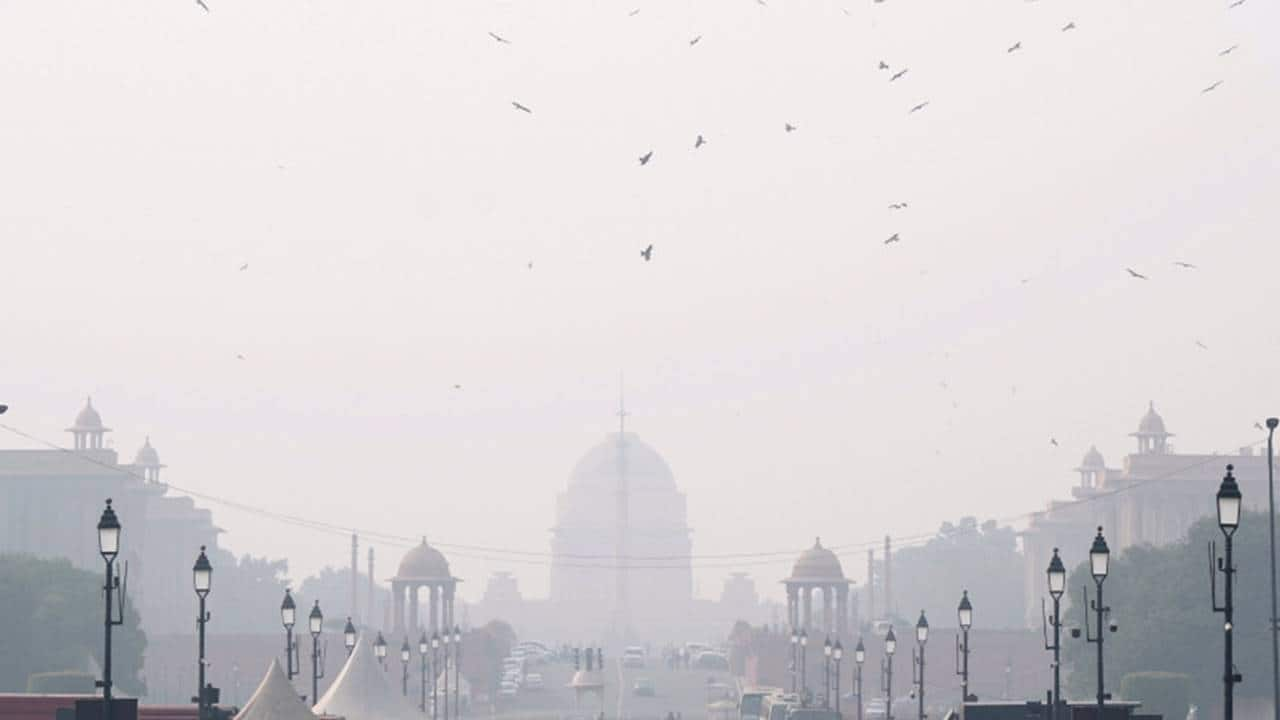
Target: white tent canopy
x=363, y=691
x=275, y=699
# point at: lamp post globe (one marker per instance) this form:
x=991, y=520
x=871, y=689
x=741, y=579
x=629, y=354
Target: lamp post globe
x=1099, y=557
x=804, y=638
x=1057, y=574
x=965, y=611
x=424, y=645
x=457, y=635
x=315, y=620
x=837, y=652
x=288, y=610
x=859, y=653
x=404, y=651
x=1229, y=500
x=202, y=574
x=380, y=647
x=349, y=636
x=922, y=629
x=890, y=643
x=827, y=647
x=435, y=641
x=109, y=533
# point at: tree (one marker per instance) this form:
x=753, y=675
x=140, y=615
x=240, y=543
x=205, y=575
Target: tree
x=1159, y=598
x=959, y=557
x=256, y=585
x=52, y=622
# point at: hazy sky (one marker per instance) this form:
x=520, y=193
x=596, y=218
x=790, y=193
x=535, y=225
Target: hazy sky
x=365, y=161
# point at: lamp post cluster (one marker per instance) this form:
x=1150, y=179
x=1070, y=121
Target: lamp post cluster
x=799, y=641
x=832, y=654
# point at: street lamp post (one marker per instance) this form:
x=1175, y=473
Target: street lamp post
x=404, y=662
x=448, y=639
x=964, y=613
x=1271, y=523
x=922, y=636
x=424, y=646
x=435, y=671
x=288, y=616
x=859, y=657
x=1229, y=501
x=1099, y=566
x=349, y=636
x=202, y=578
x=315, y=623
x=886, y=671
x=804, y=682
x=826, y=672
x=109, y=548
x=380, y=651
x=837, y=653
x=1057, y=574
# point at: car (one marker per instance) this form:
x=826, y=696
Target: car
x=875, y=709
x=534, y=681
x=508, y=689
x=797, y=713
x=710, y=660
x=751, y=702
x=775, y=707
x=644, y=687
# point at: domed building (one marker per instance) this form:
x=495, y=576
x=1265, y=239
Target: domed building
x=818, y=570
x=621, y=532
x=423, y=567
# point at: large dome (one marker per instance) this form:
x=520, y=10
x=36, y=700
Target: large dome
x=644, y=466
x=1093, y=460
x=1151, y=423
x=88, y=419
x=423, y=563
x=817, y=564
x=147, y=456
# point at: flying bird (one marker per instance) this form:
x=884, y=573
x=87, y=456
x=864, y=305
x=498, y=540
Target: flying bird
x=1053, y=442
x=699, y=142
x=1237, y=3
x=893, y=239
x=897, y=206
x=1201, y=345
x=644, y=159
x=1136, y=274
x=789, y=127
x=1069, y=26
x=1211, y=87
x=244, y=267
x=457, y=386
x=919, y=107
x=1256, y=424
x=634, y=13
x=647, y=253
x=898, y=74
x=884, y=65
x=201, y=4
x=239, y=356
x=523, y=108
x=1015, y=46
x=499, y=38
x=694, y=41
x=1228, y=51
x=3, y=409
x=1187, y=265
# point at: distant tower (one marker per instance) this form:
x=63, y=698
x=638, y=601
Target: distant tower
x=88, y=430
x=1153, y=439
x=888, y=578
x=369, y=618
x=622, y=599
x=871, y=584
x=1092, y=469
x=148, y=460
x=355, y=575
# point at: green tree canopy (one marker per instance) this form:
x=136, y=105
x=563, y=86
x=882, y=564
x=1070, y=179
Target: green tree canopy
x=1159, y=598
x=983, y=559
x=52, y=621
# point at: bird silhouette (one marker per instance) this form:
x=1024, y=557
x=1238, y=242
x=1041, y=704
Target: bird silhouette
x=4, y=409
x=1228, y=51
x=884, y=65
x=499, y=38
x=647, y=253
x=1069, y=26
x=898, y=74
x=919, y=107
x=1136, y=274
x=244, y=267
x=1201, y=345
x=530, y=265
x=893, y=239
x=1237, y=3
x=789, y=127
x=694, y=41
x=634, y=13
x=1256, y=424
x=1187, y=265
x=1053, y=442
x=456, y=386
x=699, y=142
x=201, y=4
x=897, y=206
x=239, y=356
x=1015, y=46
x=523, y=108
x=1211, y=87
x=644, y=159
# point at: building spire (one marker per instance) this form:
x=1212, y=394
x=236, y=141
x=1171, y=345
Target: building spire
x=622, y=406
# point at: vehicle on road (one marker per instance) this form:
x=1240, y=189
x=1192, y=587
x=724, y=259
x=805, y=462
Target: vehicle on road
x=797, y=713
x=751, y=702
x=534, y=681
x=775, y=707
x=633, y=657
x=644, y=687
x=508, y=689
x=710, y=660
x=875, y=709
